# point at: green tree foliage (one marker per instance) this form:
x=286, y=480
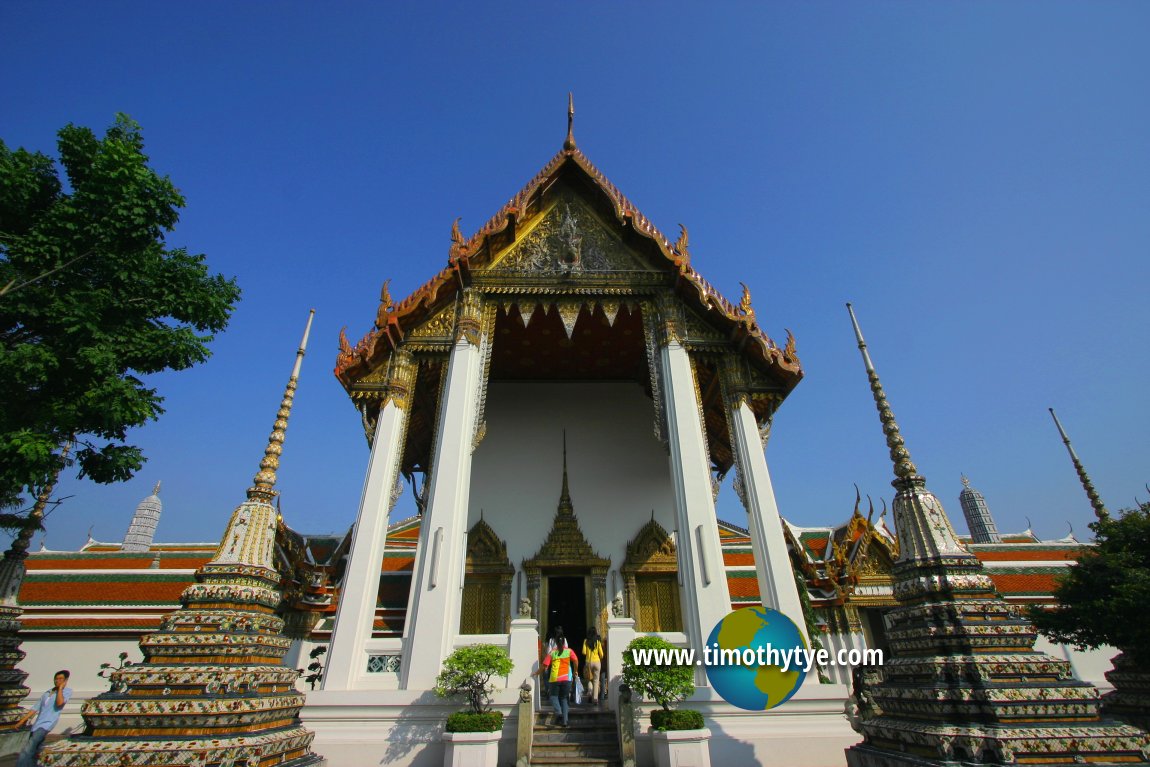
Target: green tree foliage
x=91, y=301
x=1103, y=598
x=664, y=685
x=467, y=672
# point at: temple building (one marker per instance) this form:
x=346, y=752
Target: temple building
x=565, y=396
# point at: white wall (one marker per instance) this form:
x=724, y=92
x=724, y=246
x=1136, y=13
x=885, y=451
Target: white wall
x=82, y=657
x=617, y=471
x=1089, y=665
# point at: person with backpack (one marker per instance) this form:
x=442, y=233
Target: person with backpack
x=593, y=661
x=562, y=665
x=543, y=682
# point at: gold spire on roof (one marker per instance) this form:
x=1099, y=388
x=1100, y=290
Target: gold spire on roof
x=904, y=468
x=265, y=480
x=156, y=489
x=569, y=144
x=565, y=495
x=1095, y=501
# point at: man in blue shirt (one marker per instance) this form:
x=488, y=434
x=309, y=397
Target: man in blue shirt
x=47, y=713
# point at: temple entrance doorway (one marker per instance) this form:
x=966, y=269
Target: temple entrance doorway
x=567, y=607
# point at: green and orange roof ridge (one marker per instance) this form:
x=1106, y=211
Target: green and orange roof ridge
x=353, y=362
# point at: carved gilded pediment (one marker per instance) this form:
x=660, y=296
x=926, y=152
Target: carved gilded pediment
x=876, y=562
x=440, y=326
x=486, y=553
x=651, y=550
x=569, y=240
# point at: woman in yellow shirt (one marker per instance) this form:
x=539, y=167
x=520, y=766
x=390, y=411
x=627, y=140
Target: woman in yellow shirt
x=593, y=659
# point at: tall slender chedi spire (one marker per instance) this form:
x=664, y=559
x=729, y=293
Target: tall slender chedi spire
x=142, y=530
x=977, y=513
x=265, y=479
x=922, y=526
x=962, y=682
x=1095, y=501
x=212, y=689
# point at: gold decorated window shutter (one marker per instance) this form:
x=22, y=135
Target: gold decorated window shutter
x=481, y=613
x=658, y=598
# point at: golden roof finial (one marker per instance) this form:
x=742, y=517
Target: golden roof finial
x=904, y=468
x=1095, y=501
x=386, y=306
x=681, y=244
x=156, y=489
x=265, y=479
x=745, y=302
x=456, y=234
x=569, y=144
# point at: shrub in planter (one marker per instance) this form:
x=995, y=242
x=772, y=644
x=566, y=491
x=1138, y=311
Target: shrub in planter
x=467, y=673
x=469, y=721
x=683, y=719
x=666, y=685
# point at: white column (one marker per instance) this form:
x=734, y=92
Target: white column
x=705, y=597
x=772, y=562
x=346, y=657
x=433, y=609
x=620, y=632
x=524, y=651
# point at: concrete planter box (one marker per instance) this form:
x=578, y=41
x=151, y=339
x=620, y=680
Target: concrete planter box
x=681, y=748
x=471, y=749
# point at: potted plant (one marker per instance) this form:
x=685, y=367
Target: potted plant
x=472, y=735
x=678, y=736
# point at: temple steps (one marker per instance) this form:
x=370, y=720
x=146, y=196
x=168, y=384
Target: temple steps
x=589, y=740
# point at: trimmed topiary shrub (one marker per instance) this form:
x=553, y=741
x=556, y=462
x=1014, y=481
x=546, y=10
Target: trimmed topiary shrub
x=467, y=673
x=665, y=685
x=683, y=719
x=469, y=721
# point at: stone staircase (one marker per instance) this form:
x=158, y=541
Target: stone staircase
x=589, y=740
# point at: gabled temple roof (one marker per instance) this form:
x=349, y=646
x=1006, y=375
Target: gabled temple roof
x=479, y=252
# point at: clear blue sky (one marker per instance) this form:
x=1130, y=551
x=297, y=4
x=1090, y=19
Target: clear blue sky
x=974, y=176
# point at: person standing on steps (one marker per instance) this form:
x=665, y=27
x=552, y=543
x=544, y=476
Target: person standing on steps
x=47, y=714
x=562, y=664
x=592, y=659
x=556, y=631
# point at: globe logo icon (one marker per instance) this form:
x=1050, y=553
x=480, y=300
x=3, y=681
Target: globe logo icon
x=738, y=643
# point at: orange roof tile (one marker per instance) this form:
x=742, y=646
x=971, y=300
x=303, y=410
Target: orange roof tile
x=129, y=590
x=732, y=558
x=392, y=563
x=1014, y=554
x=1018, y=584
x=743, y=587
